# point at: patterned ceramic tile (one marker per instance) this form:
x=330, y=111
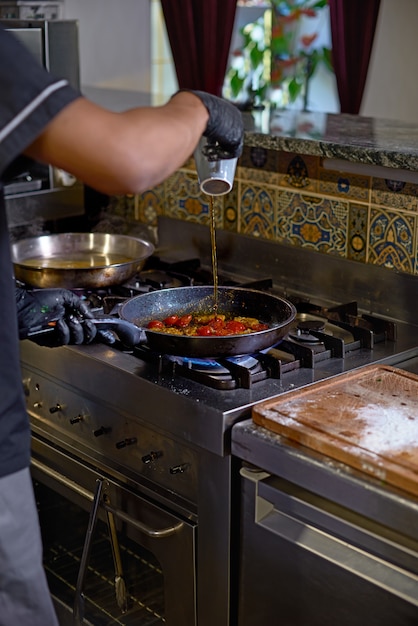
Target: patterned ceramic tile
x=313, y=222
x=149, y=205
x=259, y=159
x=350, y=186
x=290, y=198
x=394, y=194
x=298, y=171
x=184, y=200
x=230, y=208
x=258, y=165
x=392, y=239
x=258, y=176
x=190, y=164
x=257, y=211
x=218, y=207
x=357, y=232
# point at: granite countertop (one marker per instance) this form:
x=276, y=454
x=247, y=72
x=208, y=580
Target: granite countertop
x=354, y=138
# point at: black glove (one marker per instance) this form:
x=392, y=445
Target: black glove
x=225, y=125
x=37, y=309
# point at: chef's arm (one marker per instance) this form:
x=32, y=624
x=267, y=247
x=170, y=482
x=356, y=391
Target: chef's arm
x=126, y=152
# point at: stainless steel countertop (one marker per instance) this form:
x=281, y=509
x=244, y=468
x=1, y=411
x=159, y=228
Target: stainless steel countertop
x=265, y=450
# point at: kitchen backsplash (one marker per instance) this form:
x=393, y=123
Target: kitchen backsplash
x=291, y=198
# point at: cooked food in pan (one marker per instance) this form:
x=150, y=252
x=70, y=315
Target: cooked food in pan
x=211, y=325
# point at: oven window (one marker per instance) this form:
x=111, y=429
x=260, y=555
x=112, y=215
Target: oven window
x=64, y=526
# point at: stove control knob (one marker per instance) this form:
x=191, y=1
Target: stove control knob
x=26, y=386
x=103, y=430
x=152, y=456
x=126, y=442
x=179, y=469
x=76, y=419
x=55, y=409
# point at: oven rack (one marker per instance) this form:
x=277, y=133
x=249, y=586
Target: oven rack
x=63, y=547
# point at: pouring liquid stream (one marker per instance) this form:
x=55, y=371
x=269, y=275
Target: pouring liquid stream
x=214, y=256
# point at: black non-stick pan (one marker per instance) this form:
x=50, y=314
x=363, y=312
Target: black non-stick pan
x=136, y=313
x=232, y=301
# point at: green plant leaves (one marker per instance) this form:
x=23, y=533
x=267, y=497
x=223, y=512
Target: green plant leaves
x=295, y=88
x=276, y=52
x=236, y=83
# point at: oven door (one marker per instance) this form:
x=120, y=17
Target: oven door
x=307, y=561
x=132, y=562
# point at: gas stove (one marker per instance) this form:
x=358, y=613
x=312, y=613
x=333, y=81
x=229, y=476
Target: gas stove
x=162, y=424
x=325, y=339
x=339, y=335
x=322, y=341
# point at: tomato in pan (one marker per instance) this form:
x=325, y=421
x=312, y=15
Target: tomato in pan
x=212, y=325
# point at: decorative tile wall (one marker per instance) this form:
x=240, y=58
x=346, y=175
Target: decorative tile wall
x=291, y=198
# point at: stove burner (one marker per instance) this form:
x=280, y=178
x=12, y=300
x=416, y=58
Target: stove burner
x=227, y=372
x=304, y=328
x=307, y=325
x=155, y=278
x=209, y=366
x=212, y=366
x=207, y=371
x=246, y=360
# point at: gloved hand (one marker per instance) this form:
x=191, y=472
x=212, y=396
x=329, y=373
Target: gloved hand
x=36, y=309
x=225, y=125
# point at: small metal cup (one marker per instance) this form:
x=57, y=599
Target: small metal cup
x=216, y=175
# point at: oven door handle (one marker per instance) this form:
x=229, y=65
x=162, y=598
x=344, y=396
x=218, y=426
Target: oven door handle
x=67, y=482
x=155, y=533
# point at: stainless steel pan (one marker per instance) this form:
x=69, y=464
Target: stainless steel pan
x=79, y=260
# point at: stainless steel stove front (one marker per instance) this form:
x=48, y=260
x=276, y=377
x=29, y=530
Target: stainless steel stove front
x=162, y=443
x=149, y=540
x=94, y=420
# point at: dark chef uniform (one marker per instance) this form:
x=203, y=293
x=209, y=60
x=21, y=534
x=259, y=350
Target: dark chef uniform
x=29, y=99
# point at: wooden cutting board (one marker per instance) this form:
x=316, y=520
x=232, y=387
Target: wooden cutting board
x=367, y=418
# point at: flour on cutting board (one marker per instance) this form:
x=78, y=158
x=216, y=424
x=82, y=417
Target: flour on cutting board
x=387, y=428
x=367, y=419
x=377, y=420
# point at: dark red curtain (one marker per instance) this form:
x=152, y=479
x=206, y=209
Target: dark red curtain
x=353, y=24
x=200, y=34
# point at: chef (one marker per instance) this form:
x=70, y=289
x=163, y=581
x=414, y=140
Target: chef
x=43, y=118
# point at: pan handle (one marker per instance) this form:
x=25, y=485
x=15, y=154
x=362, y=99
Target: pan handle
x=128, y=333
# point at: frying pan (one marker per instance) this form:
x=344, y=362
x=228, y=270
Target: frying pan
x=232, y=301
x=135, y=313
x=78, y=260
